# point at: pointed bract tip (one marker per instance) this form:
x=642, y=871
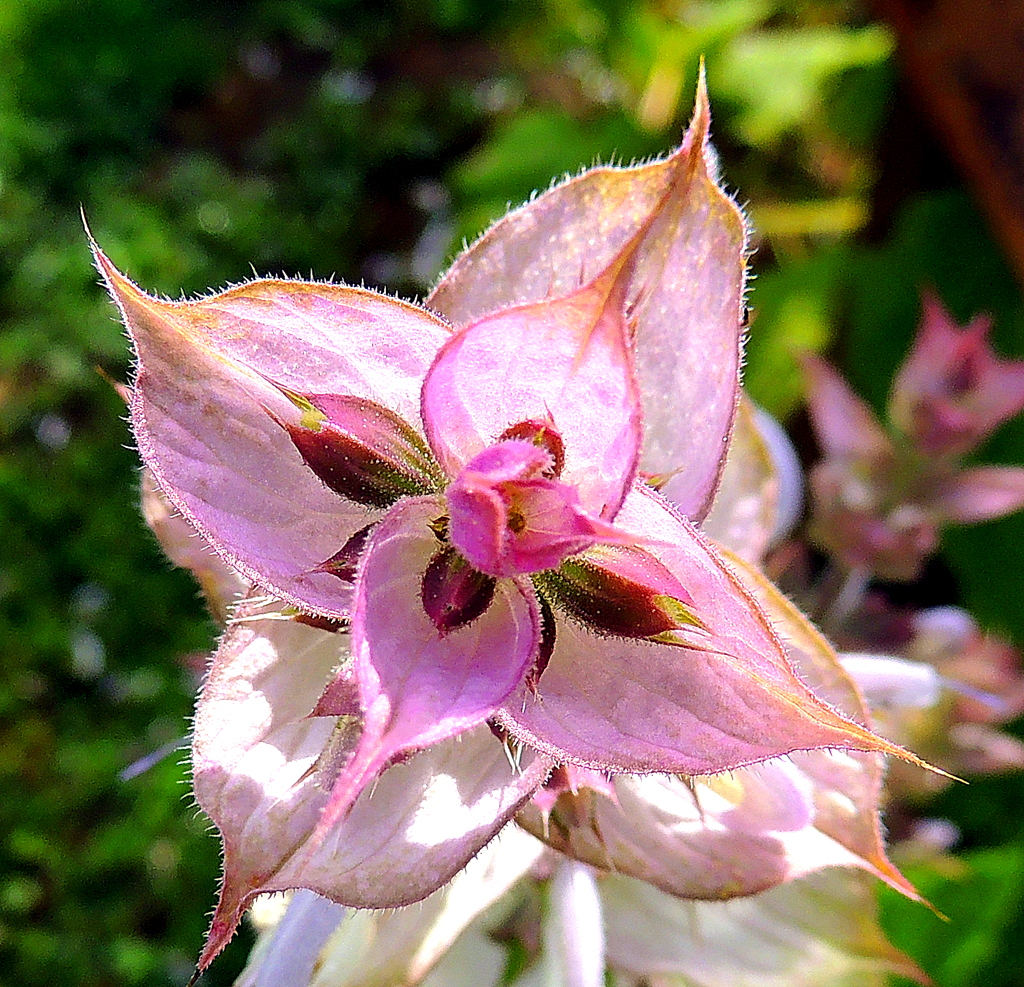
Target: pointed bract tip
x=886, y=871
x=883, y=746
x=220, y=934
x=699, y=129
x=701, y=103
x=117, y=283
x=85, y=226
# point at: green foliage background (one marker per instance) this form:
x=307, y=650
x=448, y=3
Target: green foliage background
x=365, y=141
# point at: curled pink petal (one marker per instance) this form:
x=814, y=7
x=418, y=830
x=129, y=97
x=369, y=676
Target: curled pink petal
x=567, y=361
x=507, y=518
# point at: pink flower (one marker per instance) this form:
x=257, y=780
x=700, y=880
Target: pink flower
x=953, y=390
x=463, y=498
x=880, y=501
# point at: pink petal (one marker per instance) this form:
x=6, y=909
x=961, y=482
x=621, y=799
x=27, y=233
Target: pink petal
x=198, y=411
x=749, y=507
x=844, y=423
x=507, y=519
x=221, y=585
x=722, y=836
x=258, y=766
x=848, y=784
x=633, y=564
x=981, y=494
x=725, y=698
x=567, y=361
x=419, y=685
x=688, y=283
x=749, y=830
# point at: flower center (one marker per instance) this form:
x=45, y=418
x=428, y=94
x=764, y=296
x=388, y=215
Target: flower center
x=509, y=514
x=516, y=521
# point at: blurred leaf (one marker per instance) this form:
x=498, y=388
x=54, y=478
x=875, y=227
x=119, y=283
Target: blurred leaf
x=779, y=221
x=981, y=907
x=793, y=309
x=528, y=151
x=778, y=77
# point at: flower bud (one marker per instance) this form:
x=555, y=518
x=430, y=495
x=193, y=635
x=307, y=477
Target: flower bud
x=360, y=449
x=453, y=592
x=610, y=602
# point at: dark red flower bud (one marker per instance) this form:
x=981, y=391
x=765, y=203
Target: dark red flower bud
x=610, y=602
x=360, y=449
x=453, y=592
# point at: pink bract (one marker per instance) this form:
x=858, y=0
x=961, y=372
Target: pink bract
x=352, y=455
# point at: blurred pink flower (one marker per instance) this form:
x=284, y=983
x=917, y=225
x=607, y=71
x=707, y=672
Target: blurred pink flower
x=953, y=390
x=880, y=500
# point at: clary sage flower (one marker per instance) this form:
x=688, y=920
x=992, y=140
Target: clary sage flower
x=468, y=490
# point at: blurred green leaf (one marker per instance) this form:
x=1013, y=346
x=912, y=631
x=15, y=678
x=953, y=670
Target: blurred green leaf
x=793, y=309
x=779, y=77
x=981, y=907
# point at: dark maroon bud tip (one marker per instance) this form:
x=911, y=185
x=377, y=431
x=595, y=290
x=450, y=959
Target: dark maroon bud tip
x=543, y=434
x=344, y=562
x=453, y=592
